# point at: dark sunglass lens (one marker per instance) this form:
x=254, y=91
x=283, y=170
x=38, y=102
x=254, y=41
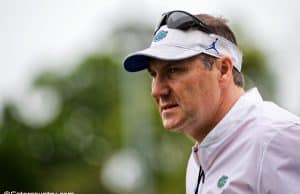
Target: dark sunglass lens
x=161, y=22
x=186, y=25
x=180, y=20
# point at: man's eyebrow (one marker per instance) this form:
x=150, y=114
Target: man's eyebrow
x=173, y=64
x=178, y=64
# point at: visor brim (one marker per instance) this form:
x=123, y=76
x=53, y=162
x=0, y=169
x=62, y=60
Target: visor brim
x=140, y=60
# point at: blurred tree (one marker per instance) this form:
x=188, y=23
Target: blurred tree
x=18, y=169
x=66, y=153
x=258, y=73
x=257, y=70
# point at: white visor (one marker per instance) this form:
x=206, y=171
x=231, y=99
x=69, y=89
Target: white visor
x=172, y=44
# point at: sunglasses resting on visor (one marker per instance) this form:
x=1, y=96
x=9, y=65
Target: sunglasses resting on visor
x=181, y=20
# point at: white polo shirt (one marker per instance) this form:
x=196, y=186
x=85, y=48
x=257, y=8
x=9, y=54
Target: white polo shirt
x=254, y=149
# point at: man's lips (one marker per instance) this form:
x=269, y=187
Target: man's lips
x=167, y=107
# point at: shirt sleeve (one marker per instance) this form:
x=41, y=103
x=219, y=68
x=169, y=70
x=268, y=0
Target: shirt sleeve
x=280, y=164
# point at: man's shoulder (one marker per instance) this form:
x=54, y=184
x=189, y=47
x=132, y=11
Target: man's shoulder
x=269, y=115
x=266, y=120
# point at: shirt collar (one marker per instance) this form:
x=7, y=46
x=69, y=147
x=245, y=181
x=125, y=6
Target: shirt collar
x=226, y=126
x=233, y=117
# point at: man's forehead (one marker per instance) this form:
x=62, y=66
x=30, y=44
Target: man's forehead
x=159, y=63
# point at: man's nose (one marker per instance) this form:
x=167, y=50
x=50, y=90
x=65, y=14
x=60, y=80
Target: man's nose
x=159, y=87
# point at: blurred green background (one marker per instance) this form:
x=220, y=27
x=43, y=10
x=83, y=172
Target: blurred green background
x=102, y=133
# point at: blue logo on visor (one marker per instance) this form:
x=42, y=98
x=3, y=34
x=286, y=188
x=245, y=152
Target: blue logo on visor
x=160, y=35
x=213, y=46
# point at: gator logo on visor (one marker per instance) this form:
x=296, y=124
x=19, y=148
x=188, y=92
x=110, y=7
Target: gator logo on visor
x=160, y=35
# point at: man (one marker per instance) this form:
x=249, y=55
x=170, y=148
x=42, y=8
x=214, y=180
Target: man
x=244, y=144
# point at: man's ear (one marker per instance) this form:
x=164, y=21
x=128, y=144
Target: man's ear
x=224, y=66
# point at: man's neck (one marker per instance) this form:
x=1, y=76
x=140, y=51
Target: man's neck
x=227, y=101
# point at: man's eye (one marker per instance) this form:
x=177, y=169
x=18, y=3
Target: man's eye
x=173, y=70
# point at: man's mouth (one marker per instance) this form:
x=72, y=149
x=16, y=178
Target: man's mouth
x=167, y=107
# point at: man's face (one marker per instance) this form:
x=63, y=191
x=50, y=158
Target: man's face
x=187, y=94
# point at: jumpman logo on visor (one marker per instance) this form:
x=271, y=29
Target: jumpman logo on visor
x=213, y=46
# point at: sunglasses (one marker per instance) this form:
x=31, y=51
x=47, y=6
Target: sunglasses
x=181, y=20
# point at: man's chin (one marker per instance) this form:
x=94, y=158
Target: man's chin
x=171, y=126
